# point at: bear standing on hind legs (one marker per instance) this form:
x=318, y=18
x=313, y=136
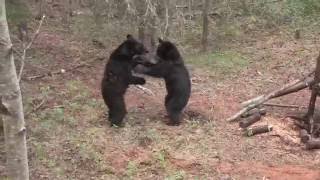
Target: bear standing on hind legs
x=118, y=76
x=170, y=66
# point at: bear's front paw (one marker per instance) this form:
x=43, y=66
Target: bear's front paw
x=139, y=69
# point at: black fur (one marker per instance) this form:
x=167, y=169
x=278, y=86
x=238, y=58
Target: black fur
x=171, y=67
x=118, y=76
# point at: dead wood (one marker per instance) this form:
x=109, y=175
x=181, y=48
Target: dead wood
x=292, y=87
x=313, y=98
x=304, y=135
x=250, y=101
x=250, y=120
x=145, y=90
x=261, y=111
x=286, y=89
x=284, y=105
x=311, y=108
x=313, y=144
x=258, y=130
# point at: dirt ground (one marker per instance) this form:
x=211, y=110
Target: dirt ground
x=69, y=138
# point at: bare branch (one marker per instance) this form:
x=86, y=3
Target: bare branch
x=286, y=89
x=36, y=108
x=145, y=90
x=167, y=18
x=28, y=46
x=285, y=105
x=305, y=82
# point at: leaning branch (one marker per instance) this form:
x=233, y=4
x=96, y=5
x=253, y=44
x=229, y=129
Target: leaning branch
x=285, y=105
x=28, y=46
x=286, y=89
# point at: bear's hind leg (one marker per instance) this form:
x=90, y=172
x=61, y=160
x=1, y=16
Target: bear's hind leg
x=117, y=111
x=175, y=118
x=174, y=111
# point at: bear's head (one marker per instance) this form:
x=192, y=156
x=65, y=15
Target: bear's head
x=132, y=47
x=167, y=51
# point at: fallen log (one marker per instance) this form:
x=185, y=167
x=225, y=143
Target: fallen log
x=258, y=130
x=313, y=144
x=250, y=101
x=250, y=120
x=253, y=111
x=294, y=86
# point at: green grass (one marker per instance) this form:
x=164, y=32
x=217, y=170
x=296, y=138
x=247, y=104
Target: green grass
x=219, y=63
x=132, y=169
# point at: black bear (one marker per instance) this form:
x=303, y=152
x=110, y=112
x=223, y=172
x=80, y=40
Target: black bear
x=169, y=66
x=118, y=76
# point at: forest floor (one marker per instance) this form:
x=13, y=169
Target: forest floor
x=69, y=137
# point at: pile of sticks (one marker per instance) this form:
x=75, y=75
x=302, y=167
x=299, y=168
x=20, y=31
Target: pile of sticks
x=251, y=117
x=310, y=133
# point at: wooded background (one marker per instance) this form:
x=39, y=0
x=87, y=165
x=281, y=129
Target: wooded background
x=235, y=50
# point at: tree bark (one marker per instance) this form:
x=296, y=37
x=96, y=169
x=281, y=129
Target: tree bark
x=253, y=111
x=258, y=130
x=314, y=94
x=11, y=108
x=286, y=89
x=290, y=88
x=205, y=25
x=168, y=8
x=313, y=144
x=141, y=8
x=41, y=9
x=250, y=120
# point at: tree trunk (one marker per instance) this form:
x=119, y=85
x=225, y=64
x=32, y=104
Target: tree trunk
x=190, y=6
x=11, y=108
x=314, y=94
x=205, y=25
x=41, y=8
x=141, y=8
x=153, y=33
x=286, y=89
x=167, y=17
x=66, y=14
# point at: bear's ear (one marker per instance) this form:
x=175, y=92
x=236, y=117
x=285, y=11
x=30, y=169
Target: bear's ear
x=160, y=40
x=129, y=36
